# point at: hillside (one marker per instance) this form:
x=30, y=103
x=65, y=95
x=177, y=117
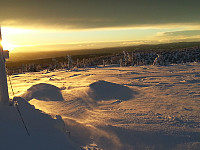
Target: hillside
x=120, y=108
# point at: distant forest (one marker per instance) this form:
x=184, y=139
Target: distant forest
x=47, y=57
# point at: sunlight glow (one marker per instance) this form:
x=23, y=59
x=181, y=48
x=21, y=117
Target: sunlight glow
x=7, y=46
x=11, y=31
x=41, y=39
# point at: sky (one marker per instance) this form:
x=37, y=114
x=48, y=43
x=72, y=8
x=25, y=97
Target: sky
x=38, y=25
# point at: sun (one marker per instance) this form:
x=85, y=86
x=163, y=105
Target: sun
x=7, y=46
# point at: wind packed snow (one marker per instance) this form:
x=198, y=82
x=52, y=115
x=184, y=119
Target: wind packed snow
x=45, y=132
x=109, y=108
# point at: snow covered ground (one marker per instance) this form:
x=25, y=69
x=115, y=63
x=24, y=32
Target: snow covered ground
x=114, y=108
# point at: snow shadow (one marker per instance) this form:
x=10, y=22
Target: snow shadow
x=43, y=91
x=84, y=135
x=46, y=132
x=155, y=140
x=103, y=90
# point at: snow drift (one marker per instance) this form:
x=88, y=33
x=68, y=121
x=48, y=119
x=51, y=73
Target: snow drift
x=103, y=90
x=115, y=108
x=43, y=91
x=45, y=132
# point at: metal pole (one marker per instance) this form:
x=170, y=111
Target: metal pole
x=4, y=98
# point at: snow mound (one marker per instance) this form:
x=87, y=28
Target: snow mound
x=45, y=132
x=103, y=90
x=43, y=91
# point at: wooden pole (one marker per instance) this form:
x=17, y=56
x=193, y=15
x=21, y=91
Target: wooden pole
x=4, y=98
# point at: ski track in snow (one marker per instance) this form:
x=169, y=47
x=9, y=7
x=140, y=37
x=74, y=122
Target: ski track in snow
x=141, y=107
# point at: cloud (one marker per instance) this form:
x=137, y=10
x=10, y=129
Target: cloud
x=87, y=14
x=183, y=33
x=78, y=46
x=179, y=36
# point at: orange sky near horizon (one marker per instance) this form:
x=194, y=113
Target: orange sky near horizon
x=18, y=40
x=37, y=25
